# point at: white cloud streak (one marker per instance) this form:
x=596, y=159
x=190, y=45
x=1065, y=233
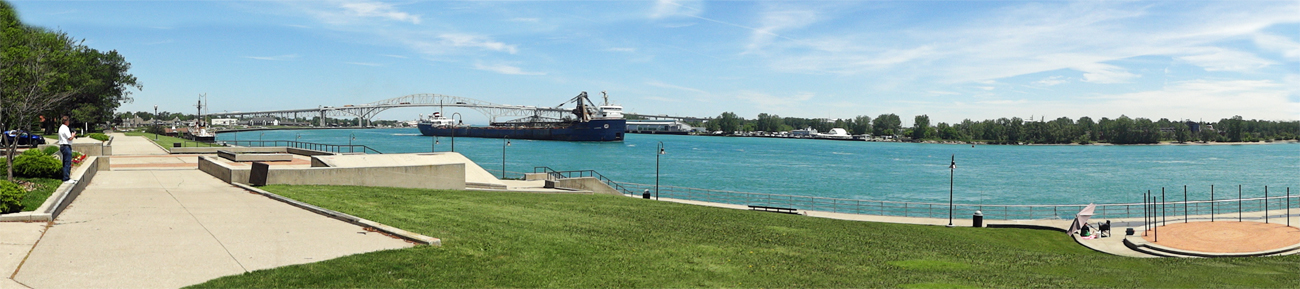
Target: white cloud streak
x=274, y=58
x=504, y=69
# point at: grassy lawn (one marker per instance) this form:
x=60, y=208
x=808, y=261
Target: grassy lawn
x=167, y=141
x=493, y=239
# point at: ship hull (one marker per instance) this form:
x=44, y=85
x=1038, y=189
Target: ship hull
x=595, y=130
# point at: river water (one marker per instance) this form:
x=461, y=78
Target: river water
x=985, y=174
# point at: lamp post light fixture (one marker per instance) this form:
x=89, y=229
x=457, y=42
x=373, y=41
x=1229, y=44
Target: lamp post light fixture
x=503, y=156
x=351, y=137
x=435, y=144
x=661, y=152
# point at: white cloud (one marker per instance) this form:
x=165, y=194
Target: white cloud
x=665, y=85
x=274, y=58
x=1050, y=81
x=1022, y=37
x=776, y=20
x=370, y=9
x=505, y=69
x=533, y=20
x=395, y=56
x=476, y=41
x=1219, y=59
x=371, y=64
x=1289, y=49
x=1104, y=73
x=621, y=49
x=768, y=102
x=1262, y=99
x=671, y=8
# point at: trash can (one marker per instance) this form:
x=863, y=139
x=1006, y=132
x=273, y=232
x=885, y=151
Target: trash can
x=977, y=220
x=176, y=144
x=646, y=195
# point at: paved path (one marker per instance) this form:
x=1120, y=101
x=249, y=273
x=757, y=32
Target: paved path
x=171, y=227
x=134, y=145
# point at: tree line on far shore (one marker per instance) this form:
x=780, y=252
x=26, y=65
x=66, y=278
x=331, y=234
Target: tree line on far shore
x=1063, y=130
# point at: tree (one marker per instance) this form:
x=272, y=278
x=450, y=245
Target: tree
x=728, y=122
x=887, y=124
x=861, y=125
x=48, y=73
x=921, y=127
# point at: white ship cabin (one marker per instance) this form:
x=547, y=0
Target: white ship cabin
x=436, y=120
x=611, y=111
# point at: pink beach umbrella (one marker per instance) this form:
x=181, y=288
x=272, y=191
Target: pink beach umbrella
x=1081, y=219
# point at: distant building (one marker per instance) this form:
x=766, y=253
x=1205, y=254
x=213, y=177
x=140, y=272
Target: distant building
x=225, y=121
x=262, y=121
x=806, y=132
x=658, y=126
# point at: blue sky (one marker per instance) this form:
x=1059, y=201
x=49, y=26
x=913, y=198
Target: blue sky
x=835, y=59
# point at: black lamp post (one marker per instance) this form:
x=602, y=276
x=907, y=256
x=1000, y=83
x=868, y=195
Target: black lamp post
x=155, y=120
x=351, y=136
x=952, y=168
x=661, y=152
x=503, y=156
x=435, y=144
x=459, y=121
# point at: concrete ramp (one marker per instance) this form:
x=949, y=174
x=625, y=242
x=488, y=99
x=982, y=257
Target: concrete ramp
x=474, y=174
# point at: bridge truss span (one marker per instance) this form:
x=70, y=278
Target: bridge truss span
x=367, y=112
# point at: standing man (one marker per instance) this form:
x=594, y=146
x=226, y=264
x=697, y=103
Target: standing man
x=65, y=148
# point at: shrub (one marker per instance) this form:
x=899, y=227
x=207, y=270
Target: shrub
x=157, y=129
x=36, y=166
x=49, y=150
x=98, y=136
x=11, y=197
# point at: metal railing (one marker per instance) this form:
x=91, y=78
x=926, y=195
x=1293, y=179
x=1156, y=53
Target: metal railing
x=305, y=145
x=1278, y=207
x=584, y=173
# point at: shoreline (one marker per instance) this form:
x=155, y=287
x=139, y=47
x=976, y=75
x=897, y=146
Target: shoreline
x=855, y=140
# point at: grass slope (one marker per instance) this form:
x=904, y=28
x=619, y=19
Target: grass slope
x=493, y=239
x=167, y=141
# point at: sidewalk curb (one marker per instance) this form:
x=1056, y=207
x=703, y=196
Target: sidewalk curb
x=410, y=236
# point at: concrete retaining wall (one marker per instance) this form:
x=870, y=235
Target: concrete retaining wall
x=213, y=150
x=62, y=196
x=438, y=176
x=587, y=184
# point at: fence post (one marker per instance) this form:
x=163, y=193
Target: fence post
x=1163, y=206
x=1238, y=203
x=1211, y=203
x=1185, y=204
x=1266, y=204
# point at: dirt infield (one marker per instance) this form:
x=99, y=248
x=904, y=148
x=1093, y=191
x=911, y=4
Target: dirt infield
x=1226, y=237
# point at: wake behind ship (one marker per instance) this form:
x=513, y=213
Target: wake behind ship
x=588, y=123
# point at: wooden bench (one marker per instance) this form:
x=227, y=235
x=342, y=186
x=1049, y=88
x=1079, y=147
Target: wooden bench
x=774, y=209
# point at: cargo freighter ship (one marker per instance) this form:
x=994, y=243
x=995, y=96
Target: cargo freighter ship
x=590, y=123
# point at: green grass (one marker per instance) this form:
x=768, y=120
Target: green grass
x=493, y=239
x=44, y=188
x=167, y=141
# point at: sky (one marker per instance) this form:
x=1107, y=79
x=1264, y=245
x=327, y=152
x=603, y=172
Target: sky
x=951, y=60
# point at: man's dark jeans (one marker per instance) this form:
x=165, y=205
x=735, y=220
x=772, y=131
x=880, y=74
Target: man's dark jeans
x=66, y=151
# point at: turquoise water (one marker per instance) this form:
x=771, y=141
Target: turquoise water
x=986, y=174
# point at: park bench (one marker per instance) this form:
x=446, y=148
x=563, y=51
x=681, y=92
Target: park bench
x=774, y=209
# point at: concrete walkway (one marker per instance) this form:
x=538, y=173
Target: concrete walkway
x=171, y=227
x=134, y=145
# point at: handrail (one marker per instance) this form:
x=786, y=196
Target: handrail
x=308, y=145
